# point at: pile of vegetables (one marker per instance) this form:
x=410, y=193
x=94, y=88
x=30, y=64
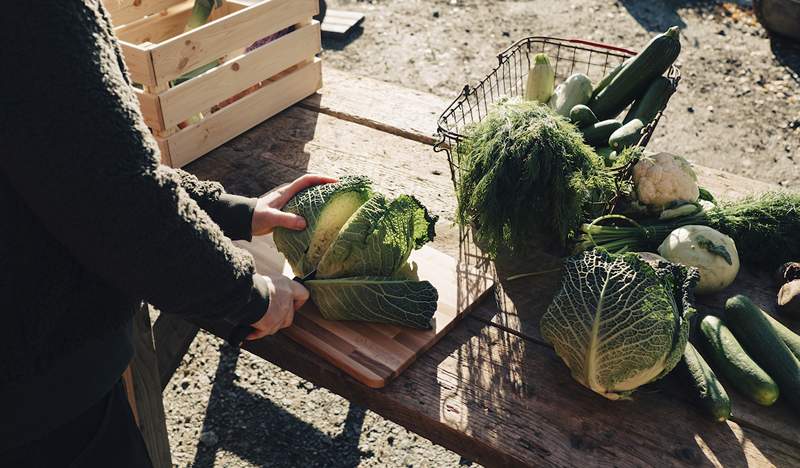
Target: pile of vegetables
x=561, y=170
x=638, y=82
x=353, y=254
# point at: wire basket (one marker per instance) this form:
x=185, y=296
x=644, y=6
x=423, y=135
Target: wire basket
x=508, y=79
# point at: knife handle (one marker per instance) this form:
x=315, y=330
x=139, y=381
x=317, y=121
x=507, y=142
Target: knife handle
x=239, y=333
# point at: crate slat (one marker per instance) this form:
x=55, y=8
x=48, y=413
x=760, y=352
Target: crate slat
x=156, y=28
x=233, y=120
x=236, y=75
x=126, y=11
x=139, y=63
x=185, y=52
x=151, y=109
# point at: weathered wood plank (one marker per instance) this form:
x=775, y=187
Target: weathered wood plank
x=172, y=336
x=147, y=389
x=377, y=104
x=504, y=401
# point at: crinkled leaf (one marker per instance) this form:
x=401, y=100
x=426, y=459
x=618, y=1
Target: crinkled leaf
x=371, y=299
x=326, y=208
x=617, y=322
x=378, y=238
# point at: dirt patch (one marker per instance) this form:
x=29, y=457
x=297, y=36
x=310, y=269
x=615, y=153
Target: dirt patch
x=737, y=109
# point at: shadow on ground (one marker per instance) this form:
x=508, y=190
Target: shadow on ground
x=787, y=53
x=658, y=15
x=302, y=445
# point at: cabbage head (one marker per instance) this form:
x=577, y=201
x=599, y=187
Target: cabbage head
x=357, y=243
x=619, y=322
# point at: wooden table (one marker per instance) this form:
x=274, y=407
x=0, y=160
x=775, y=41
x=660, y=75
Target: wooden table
x=492, y=390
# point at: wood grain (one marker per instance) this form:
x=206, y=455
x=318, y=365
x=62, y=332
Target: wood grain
x=125, y=11
x=490, y=389
x=187, y=51
x=374, y=354
x=147, y=389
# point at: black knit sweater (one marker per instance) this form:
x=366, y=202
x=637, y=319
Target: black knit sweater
x=91, y=223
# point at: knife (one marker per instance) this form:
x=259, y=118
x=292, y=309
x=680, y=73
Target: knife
x=239, y=333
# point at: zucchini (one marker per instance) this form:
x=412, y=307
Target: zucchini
x=577, y=89
x=626, y=135
x=597, y=134
x=652, y=101
x=607, y=79
x=582, y=116
x=632, y=80
x=789, y=338
x=709, y=391
x=729, y=359
x=758, y=336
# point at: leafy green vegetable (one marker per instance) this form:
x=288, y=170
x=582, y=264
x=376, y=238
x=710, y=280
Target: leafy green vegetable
x=618, y=322
x=358, y=243
x=527, y=179
x=765, y=229
x=378, y=238
x=326, y=208
x=388, y=300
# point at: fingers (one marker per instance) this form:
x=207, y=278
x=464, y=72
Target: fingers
x=286, y=220
x=287, y=191
x=285, y=296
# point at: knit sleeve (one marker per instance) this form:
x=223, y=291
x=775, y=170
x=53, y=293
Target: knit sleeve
x=80, y=155
x=233, y=213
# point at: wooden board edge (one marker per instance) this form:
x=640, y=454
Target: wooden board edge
x=125, y=11
x=150, y=106
x=139, y=62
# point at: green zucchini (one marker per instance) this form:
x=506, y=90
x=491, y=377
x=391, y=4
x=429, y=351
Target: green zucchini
x=626, y=135
x=632, y=80
x=709, y=391
x=758, y=336
x=607, y=79
x=652, y=101
x=790, y=338
x=582, y=116
x=597, y=134
x=729, y=359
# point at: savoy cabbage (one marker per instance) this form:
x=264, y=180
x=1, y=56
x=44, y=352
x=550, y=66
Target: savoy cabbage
x=357, y=243
x=619, y=322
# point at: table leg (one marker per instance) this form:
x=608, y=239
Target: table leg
x=148, y=405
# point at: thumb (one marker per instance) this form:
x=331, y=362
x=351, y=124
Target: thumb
x=287, y=220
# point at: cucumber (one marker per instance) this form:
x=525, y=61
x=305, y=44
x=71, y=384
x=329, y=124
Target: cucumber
x=626, y=135
x=709, y=391
x=654, y=99
x=754, y=331
x=607, y=79
x=633, y=79
x=789, y=338
x=597, y=134
x=730, y=360
x=582, y=116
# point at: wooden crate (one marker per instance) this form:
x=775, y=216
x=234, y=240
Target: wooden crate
x=157, y=51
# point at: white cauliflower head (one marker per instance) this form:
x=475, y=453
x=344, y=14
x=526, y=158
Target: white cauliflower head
x=664, y=178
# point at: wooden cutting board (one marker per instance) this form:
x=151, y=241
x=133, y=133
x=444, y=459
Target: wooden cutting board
x=375, y=353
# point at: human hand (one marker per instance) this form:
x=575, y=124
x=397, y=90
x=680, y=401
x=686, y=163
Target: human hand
x=285, y=297
x=268, y=215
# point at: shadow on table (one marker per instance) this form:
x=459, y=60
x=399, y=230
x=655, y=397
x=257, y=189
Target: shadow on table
x=270, y=154
x=513, y=375
x=257, y=430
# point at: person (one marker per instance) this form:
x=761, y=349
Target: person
x=92, y=226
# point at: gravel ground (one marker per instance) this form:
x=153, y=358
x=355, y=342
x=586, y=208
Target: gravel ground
x=738, y=108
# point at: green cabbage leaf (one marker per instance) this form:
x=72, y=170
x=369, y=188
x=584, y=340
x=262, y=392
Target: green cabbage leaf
x=357, y=243
x=619, y=322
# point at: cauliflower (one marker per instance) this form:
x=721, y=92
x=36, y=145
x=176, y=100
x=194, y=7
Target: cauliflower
x=664, y=178
x=710, y=251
